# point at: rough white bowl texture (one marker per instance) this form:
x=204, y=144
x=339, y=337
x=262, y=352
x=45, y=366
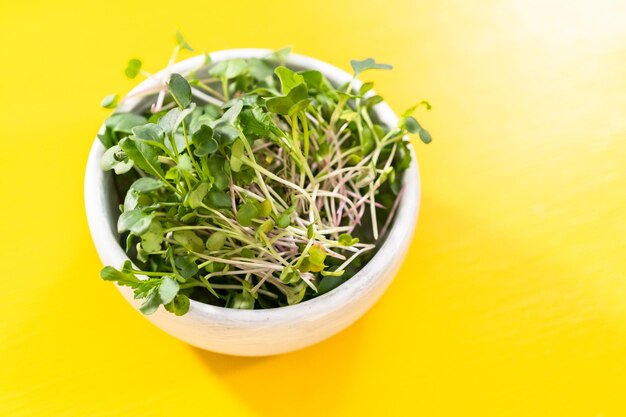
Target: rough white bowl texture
x=270, y=331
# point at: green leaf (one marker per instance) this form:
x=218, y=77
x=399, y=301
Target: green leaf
x=152, y=303
x=143, y=155
x=136, y=221
x=317, y=255
x=180, y=90
x=109, y=102
x=365, y=88
x=282, y=105
x=412, y=125
x=116, y=159
x=179, y=305
x=328, y=283
x=256, y=123
x=333, y=273
x=152, y=239
x=405, y=157
x=231, y=114
x=187, y=266
x=266, y=227
x=219, y=199
x=180, y=143
x=168, y=289
x=146, y=184
x=236, y=154
x=247, y=212
x=368, y=142
x=425, y=136
x=346, y=239
x=195, y=197
x=284, y=219
x=141, y=254
x=216, y=241
x=184, y=163
x=242, y=301
x=295, y=295
x=146, y=287
x=108, y=273
x=247, y=253
x=203, y=141
x=150, y=131
x=124, y=122
x=184, y=114
x=313, y=79
x=131, y=200
x=298, y=93
x=189, y=240
x=290, y=275
x=288, y=78
x=280, y=55
x=133, y=68
x=189, y=217
x=182, y=42
x=265, y=208
x=372, y=101
x=305, y=266
x=107, y=138
x=224, y=130
x=170, y=121
x=260, y=69
x=367, y=64
x=225, y=134
x=217, y=169
x=228, y=69
x=299, y=106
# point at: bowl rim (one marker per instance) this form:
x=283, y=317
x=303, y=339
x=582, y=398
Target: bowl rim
x=390, y=254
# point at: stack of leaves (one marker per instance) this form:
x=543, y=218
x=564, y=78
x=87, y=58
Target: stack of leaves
x=250, y=185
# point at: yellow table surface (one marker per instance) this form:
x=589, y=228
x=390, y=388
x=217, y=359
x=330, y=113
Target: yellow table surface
x=512, y=300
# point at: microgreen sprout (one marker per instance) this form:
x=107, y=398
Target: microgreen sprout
x=251, y=185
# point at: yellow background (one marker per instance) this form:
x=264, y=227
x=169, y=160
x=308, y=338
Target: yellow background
x=512, y=300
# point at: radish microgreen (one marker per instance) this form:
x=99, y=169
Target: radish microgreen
x=249, y=184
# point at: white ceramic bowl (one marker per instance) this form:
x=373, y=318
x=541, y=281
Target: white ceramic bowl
x=271, y=331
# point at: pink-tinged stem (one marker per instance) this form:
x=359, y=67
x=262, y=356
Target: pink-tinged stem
x=231, y=186
x=392, y=212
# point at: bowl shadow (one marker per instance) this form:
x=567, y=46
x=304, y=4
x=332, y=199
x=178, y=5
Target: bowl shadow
x=307, y=382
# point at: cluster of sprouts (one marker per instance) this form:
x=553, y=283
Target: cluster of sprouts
x=251, y=185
